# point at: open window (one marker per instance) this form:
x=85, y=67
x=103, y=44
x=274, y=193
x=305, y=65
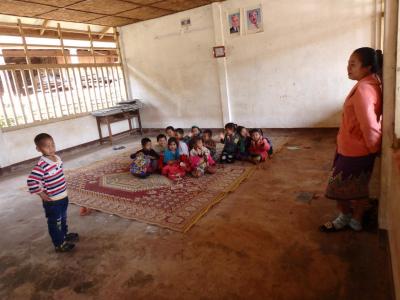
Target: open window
x=57, y=73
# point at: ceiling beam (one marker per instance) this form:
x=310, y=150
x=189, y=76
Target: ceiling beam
x=103, y=32
x=44, y=24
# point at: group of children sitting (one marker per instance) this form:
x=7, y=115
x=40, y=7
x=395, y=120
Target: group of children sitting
x=176, y=155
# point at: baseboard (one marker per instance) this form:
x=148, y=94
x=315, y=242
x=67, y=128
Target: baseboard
x=15, y=167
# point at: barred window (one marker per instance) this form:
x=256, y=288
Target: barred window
x=62, y=73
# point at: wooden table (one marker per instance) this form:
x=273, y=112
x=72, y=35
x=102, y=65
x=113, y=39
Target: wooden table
x=116, y=117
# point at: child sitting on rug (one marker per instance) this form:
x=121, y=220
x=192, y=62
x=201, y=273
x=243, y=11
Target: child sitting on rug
x=174, y=168
x=210, y=144
x=230, y=140
x=161, y=146
x=200, y=159
x=259, y=146
x=145, y=161
x=194, y=132
x=243, y=144
x=47, y=180
x=170, y=131
x=182, y=146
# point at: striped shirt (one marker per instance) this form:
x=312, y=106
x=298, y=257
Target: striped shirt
x=48, y=176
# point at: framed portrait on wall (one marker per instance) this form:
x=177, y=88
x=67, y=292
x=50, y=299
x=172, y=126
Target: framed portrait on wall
x=254, y=20
x=234, y=23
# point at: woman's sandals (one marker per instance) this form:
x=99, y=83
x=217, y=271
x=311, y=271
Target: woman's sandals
x=329, y=227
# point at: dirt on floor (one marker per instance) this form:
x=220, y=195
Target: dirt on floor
x=261, y=242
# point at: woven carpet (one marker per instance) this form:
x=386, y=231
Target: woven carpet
x=108, y=186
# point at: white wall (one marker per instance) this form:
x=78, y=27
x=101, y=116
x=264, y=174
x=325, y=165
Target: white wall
x=172, y=72
x=17, y=145
x=291, y=75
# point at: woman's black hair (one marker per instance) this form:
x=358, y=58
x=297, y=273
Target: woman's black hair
x=231, y=126
x=145, y=141
x=161, y=136
x=370, y=57
x=170, y=128
x=172, y=140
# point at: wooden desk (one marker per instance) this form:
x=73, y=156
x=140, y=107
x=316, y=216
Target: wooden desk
x=119, y=116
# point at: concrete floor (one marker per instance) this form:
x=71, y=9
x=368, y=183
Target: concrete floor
x=258, y=243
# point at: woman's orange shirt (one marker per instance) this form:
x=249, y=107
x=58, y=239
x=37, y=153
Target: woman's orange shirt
x=360, y=132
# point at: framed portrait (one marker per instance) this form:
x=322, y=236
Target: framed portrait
x=254, y=20
x=234, y=23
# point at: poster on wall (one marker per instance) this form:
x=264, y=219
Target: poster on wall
x=234, y=23
x=254, y=20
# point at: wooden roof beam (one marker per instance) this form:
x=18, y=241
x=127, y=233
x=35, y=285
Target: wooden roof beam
x=103, y=32
x=44, y=24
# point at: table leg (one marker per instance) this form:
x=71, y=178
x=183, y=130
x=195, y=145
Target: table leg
x=140, y=123
x=129, y=118
x=109, y=130
x=99, y=129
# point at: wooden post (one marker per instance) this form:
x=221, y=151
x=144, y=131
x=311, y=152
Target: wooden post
x=44, y=94
x=25, y=84
x=6, y=84
x=44, y=24
x=51, y=93
x=82, y=89
x=104, y=87
x=65, y=62
x=90, y=91
x=116, y=82
x=57, y=92
x=17, y=91
x=28, y=61
x=21, y=32
x=116, y=40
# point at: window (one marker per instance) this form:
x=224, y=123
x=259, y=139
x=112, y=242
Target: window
x=44, y=77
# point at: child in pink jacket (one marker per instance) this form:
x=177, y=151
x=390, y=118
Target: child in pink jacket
x=259, y=146
x=200, y=159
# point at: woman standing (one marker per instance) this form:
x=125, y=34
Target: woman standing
x=358, y=141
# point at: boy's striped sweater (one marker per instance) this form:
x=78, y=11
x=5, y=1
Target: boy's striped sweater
x=48, y=176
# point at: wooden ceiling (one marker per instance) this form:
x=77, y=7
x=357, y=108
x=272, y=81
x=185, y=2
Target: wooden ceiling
x=100, y=12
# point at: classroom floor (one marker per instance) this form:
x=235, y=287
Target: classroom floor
x=261, y=242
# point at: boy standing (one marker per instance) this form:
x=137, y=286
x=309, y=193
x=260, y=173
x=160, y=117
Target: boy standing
x=48, y=181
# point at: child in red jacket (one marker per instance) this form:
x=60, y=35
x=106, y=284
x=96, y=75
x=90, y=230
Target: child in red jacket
x=259, y=146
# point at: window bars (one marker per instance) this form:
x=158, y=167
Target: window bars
x=41, y=82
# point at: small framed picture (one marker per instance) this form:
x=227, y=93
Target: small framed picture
x=219, y=51
x=234, y=25
x=254, y=20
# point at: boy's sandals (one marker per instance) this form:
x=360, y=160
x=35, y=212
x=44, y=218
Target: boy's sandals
x=65, y=247
x=72, y=237
x=329, y=227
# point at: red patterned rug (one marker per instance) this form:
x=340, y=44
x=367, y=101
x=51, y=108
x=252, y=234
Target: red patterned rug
x=108, y=186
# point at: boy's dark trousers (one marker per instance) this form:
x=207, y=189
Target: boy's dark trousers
x=56, y=214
